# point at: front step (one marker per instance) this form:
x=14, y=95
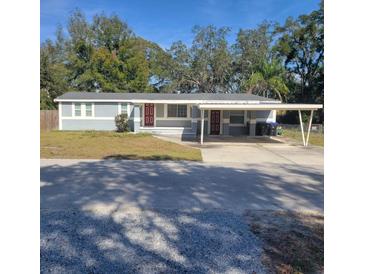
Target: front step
x=176, y=132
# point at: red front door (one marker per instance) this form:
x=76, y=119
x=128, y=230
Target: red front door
x=215, y=122
x=149, y=114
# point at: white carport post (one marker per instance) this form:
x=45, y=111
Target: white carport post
x=309, y=128
x=301, y=126
x=305, y=140
x=202, y=126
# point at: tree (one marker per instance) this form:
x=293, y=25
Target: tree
x=46, y=101
x=300, y=44
x=78, y=28
x=53, y=75
x=135, y=66
x=161, y=66
x=268, y=81
x=205, y=67
x=79, y=64
x=105, y=56
x=251, y=50
x=110, y=32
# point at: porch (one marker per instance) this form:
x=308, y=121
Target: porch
x=251, y=110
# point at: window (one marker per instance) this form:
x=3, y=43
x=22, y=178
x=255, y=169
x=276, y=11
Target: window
x=83, y=110
x=177, y=111
x=88, y=109
x=77, y=109
x=124, y=108
x=237, y=117
x=236, y=120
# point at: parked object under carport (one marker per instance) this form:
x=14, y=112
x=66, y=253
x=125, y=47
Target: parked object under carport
x=272, y=129
x=261, y=129
x=266, y=129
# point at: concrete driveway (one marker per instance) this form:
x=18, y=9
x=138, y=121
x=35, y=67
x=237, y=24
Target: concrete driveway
x=263, y=153
x=156, y=216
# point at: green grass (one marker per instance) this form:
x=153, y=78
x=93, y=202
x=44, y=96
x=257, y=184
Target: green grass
x=106, y=145
x=315, y=138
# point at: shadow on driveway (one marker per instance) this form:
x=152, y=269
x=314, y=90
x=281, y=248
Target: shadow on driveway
x=147, y=216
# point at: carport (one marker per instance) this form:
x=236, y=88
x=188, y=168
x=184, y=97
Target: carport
x=255, y=107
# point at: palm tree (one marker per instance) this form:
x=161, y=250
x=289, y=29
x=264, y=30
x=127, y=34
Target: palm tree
x=268, y=81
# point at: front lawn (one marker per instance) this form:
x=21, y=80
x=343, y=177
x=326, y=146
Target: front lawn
x=105, y=145
x=315, y=138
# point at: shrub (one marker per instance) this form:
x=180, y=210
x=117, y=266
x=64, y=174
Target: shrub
x=121, y=122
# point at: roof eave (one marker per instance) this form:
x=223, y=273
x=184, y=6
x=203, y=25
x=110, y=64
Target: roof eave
x=171, y=101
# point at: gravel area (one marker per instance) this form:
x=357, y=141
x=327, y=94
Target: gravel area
x=147, y=241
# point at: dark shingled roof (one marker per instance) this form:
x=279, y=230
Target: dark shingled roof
x=161, y=96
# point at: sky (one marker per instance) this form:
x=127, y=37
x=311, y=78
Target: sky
x=167, y=21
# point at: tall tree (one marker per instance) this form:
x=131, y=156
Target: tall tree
x=110, y=32
x=105, y=56
x=300, y=43
x=78, y=28
x=135, y=65
x=161, y=66
x=251, y=50
x=53, y=75
x=268, y=81
x=206, y=66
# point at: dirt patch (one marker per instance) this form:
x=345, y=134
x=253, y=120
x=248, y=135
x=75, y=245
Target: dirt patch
x=292, y=241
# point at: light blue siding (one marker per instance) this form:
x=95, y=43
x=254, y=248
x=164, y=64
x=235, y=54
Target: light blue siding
x=106, y=109
x=194, y=127
x=66, y=109
x=173, y=123
x=225, y=129
x=237, y=131
x=84, y=124
x=195, y=112
x=205, y=127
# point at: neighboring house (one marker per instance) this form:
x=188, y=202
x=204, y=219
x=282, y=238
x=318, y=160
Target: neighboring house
x=162, y=113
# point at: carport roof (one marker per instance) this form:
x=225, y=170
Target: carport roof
x=261, y=106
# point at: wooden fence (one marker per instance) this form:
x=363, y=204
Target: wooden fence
x=49, y=119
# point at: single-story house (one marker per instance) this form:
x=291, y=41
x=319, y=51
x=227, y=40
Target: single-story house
x=170, y=113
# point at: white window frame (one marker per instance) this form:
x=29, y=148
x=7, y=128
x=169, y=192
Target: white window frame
x=74, y=109
x=177, y=118
x=92, y=111
x=127, y=111
x=124, y=111
x=83, y=110
x=238, y=124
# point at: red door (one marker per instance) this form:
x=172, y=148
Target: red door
x=215, y=122
x=149, y=115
